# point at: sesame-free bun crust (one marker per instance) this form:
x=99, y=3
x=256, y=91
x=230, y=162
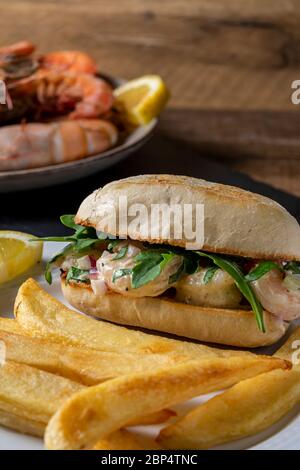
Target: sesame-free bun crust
x=237, y=222
x=230, y=327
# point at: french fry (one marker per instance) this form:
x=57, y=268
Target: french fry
x=29, y=397
x=98, y=411
x=125, y=440
x=83, y=366
x=20, y=424
x=158, y=417
x=10, y=325
x=246, y=409
x=290, y=350
x=119, y=440
x=40, y=314
x=86, y=366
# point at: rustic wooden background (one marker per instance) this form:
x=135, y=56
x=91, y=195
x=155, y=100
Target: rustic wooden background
x=228, y=63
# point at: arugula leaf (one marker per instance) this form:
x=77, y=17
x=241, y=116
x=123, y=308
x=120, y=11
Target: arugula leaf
x=292, y=266
x=234, y=271
x=209, y=274
x=68, y=221
x=82, y=239
x=68, y=238
x=51, y=263
x=120, y=273
x=76, y=274
x=166, y=258
x=147, y=268
x=142, y=275
x=80, y=232
x=84, y=243
x=122, y=253
x=261, y=269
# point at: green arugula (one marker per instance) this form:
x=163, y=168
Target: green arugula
x=261, y=269
x=120, y=273
x=76, y=274
x=81, y=240
x=122, y=253
x=209, y=274
x=52, y=262
x=149, y=266
x=243, y=285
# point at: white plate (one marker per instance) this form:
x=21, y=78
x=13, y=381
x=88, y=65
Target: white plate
x=283, y=435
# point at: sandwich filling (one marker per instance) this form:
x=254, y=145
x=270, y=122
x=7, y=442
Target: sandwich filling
x=135, y=269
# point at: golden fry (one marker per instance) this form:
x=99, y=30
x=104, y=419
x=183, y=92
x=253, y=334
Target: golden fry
x=158, y=417
x=86, y=366
x=10, y=325
x=98, y=411
x=246, y=409
x=124, y=440
x=29, y=397
x=20, y=424
x=40, y=314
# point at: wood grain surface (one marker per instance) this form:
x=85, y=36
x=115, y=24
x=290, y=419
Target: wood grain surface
x=229, y=65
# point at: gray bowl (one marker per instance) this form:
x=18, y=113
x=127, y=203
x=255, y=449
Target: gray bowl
x=56, y=174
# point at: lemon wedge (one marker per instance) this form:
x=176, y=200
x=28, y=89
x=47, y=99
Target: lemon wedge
x=142, y=99
x=17, y=253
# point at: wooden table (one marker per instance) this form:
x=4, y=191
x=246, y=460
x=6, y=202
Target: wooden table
x=229, y=65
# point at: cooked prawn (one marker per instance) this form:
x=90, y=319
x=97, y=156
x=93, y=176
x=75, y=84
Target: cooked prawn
x=84, y=95
x=34, y=145
x=70, y=61
x=275, y=297
x=16, y=61
x=19, y=49
x=107, y=265
x=219, y=292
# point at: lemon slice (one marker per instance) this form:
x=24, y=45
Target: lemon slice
x=142, y=99
x=17, y=253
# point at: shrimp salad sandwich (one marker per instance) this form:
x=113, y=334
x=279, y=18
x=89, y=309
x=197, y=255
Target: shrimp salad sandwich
x=242, y=288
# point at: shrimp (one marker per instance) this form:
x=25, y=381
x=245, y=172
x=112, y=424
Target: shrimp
x=219, y=292
x=275, y=297
x=19, y=49
x=71, y=61
x=16, y=61
x=107, y=265
x=34, y=145
x=80, y=95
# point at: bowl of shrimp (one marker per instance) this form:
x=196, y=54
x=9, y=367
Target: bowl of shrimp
x=58, y=119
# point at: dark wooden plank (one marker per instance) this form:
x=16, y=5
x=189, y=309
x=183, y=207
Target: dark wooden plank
x=232, y=134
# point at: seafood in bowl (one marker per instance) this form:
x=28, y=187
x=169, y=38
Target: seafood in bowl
x=58, y=109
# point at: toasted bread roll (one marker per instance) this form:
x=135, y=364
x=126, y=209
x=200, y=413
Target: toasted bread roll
x=236, y=221
x=224, y=326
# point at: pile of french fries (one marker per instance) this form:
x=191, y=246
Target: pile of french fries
x=82, y=382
